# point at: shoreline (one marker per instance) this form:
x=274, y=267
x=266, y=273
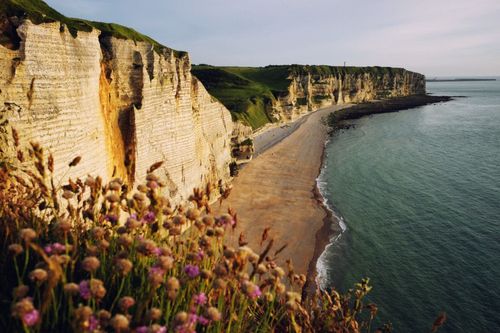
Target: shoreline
x=276, y=181
x=323, y=235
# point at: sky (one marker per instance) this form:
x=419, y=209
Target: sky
x=433, y=37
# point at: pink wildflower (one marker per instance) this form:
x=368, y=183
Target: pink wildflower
x=31, y=318
x=48, y=249
x=141, y=329
x=203, y=321
x=93, y=323
x=192, y=271
x=157, y=252
x=149, y=217
x=85, y=289
x=200, y=299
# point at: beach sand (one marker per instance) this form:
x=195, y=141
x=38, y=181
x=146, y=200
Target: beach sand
x=277, y=189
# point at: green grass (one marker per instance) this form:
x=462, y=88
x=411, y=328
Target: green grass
x=39, y=12
x=245, y=91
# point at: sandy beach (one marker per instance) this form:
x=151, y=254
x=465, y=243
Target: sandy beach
x=277, y=189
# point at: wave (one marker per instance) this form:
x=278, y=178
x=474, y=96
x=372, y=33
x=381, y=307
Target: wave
x=322, y=263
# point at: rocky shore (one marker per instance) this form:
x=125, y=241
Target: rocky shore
x=384, y=106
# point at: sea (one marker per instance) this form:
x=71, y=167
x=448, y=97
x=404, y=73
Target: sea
x=417, y=193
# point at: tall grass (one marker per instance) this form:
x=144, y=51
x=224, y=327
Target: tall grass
x=88, y=256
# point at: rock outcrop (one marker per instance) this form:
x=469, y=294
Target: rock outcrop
x=120, y=104
x=310, y=89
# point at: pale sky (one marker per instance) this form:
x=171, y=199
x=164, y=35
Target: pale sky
x=433, y=37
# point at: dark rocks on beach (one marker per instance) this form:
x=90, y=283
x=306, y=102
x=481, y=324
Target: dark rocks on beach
x=337, y=120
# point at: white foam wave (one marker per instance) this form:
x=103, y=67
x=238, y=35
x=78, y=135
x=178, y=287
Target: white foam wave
x=322, y=264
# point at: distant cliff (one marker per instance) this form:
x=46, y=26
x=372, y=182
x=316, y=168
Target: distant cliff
x=110, y=95
x=283, y=93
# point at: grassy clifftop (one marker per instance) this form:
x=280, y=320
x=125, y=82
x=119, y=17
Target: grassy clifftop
x=248, y=91
x=39, y=12
x=245, y=91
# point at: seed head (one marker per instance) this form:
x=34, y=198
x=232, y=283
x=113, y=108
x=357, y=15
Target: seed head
x=71, y=288
x=115, y=186
x=219, y=231
x=213, y=314
x=179, y=220
x=181, y=318
x=113, y=198
x=27, y=234
x=192, y=214
x=154, y=314
x=165, y=262
x=208, y=220
x=90, y=264
x=126, y=303
x=261, y=269
x=97, y=288
x=251, y=290
x=220, y=270
x=139, y=197
x=104, y=317
x=38, y=275
x=119, y=322
x=220, y=284
x=125, y=240
x=15, y=249
x=23, y=306
x=63, y=226
x=20, y=291
x=124, y=266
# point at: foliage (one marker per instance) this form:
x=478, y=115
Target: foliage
x=94, y=257
x=246, y=98
x=39, y=12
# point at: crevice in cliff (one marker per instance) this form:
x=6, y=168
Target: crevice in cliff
x=126, y=123
x=136, y=80
x=9, y=37
x=150, y=68
x=119, y=111
x=30, y=93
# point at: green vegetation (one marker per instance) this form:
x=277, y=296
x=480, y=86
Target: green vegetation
x=94, y=257
x=248, y=92
x=340, y=71
x=39, y=12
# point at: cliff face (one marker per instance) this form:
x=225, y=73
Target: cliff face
x=309, y=91
x=121, y=105
x=258, y=95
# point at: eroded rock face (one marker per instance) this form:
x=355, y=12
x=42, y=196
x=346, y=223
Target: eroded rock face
x=309, y=92
x=119, y=104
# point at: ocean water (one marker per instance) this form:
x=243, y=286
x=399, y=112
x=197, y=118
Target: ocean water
x=419, y=194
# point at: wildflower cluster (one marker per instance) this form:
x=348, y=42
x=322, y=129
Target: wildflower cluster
x=93, y=257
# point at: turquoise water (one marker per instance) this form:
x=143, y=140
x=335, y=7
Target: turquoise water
x=419, y=192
